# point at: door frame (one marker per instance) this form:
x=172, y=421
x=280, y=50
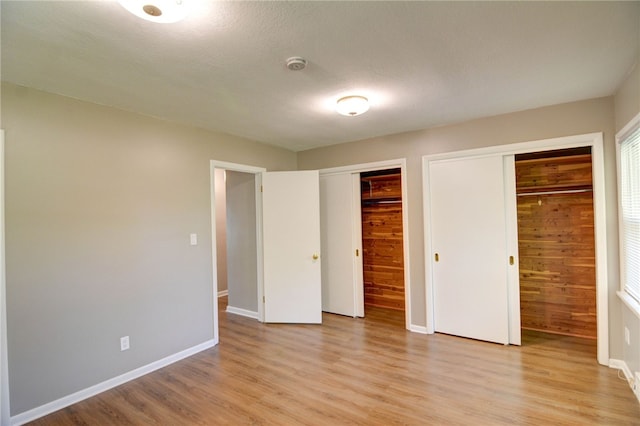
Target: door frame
x=257, y=172
x=596, y=143
x=400, y=163
x=4, y=363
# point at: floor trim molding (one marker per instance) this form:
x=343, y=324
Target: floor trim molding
x=418, y=329
x=73, y=398
x=632, y=380
x=243, y=312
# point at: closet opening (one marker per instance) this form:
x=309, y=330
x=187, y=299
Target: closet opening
x=382, y=244
x=556, y=244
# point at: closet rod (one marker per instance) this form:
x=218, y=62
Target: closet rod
x=381, y=201
x=566, y=191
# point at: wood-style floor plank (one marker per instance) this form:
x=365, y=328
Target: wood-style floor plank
x=367, y=372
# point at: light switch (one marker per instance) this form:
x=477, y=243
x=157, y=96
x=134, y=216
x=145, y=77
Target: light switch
x=194, y=239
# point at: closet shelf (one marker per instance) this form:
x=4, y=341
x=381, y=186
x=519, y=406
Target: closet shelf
x=552, y=189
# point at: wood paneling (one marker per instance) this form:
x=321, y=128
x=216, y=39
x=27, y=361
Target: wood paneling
x=381, y=186
x=548, y=174
x=367, y=372
x=556, y=246
x=383, y=259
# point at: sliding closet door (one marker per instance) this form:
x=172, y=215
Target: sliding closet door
x=341, y=242
x=469, y=259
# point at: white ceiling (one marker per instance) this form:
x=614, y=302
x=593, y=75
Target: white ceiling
x=421, y=64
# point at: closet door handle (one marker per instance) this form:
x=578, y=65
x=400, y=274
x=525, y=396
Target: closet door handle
x=511, y=260
x=437, y=257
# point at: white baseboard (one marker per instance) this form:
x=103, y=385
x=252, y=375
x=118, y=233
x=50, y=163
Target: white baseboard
x=63, y=402
x=223, y=293
x=418, y=329
x=619, y=364
x=243, y=312
x=632, y=380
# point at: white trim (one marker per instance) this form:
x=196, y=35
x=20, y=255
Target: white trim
x=563, y=142
x=213, y=165
x=223, y=293
x=428, y=277
x=214, y=253
x=593, y=140
x=364, y=167
x=630, y=127
x=513, y=271
x=356, y=243
x=81, y=395
x=259, y=246
x=630, y=302
x=632, y=381
x=4, y=363
x=400, y=163
x=236, y=167
x=419, y=329
x=619, y=364
x=243, y=312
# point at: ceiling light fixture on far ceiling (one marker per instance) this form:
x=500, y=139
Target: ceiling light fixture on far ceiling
x=352, y=105
x=160, y=11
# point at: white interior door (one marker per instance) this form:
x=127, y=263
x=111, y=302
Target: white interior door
x=469, y=248
x=341, y=238
x=291, y=247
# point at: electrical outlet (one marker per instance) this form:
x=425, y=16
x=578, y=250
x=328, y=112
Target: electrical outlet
x=627, y=336
x=124, y=343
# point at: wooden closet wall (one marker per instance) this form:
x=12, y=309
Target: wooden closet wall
x=383, y=259
x=556, y=242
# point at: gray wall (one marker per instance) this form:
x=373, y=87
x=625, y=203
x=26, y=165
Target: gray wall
x=99, y=207
x=242, y=268
x=595, y=115
x=100, y=204
x=627, y=106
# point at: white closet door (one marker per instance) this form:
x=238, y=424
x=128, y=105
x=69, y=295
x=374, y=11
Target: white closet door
x=470, y=275
x=341, y=240
x=291, y=245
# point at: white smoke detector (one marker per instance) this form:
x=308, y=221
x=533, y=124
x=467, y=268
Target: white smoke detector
x=296, y=63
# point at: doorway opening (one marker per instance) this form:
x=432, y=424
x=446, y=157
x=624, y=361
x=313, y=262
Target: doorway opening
x=556, y=244
x=382, y=242
x=236, y=233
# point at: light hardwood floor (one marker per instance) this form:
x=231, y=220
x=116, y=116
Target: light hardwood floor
x=367, y=372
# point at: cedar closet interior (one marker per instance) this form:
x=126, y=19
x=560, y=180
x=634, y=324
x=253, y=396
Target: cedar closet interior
x=556, y=242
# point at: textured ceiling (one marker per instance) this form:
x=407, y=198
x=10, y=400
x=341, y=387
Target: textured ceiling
x=421, y=64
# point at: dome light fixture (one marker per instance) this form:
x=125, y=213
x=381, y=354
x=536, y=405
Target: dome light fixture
x=160, y=11
x=352, y=105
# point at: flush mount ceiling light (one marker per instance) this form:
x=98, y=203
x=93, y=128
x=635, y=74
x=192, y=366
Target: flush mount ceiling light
x=161, y=11
x=352, y=105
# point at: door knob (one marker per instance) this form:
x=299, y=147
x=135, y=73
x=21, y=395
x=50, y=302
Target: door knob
x=437, y=257
x=315, y=256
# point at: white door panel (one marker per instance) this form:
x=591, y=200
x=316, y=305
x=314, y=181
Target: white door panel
x=291, y=241
x=341, y=234
x=467, y=209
